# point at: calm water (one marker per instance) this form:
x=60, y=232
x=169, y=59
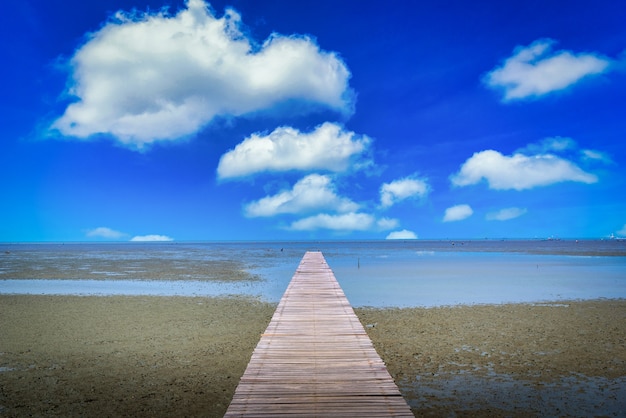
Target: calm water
x=372, y=273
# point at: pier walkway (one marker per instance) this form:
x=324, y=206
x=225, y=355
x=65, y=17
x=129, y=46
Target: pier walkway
x=315, y=358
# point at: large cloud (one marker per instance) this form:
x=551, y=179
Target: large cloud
x=352, y=221
x=401, y=189
x=535, y=70
x=312, y=193
x=518, y=171
x=148, y=77
x=457, y=213
x=328, y=147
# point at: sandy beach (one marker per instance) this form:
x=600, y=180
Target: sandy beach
x=177, y=356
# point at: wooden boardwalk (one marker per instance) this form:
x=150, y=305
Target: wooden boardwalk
x=315, y=358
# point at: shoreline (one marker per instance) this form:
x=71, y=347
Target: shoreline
x=609, y=246
x=163, y=356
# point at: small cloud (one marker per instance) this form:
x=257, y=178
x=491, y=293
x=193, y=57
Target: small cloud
x=343, y=222
x=592, y=155
x=104, y=232
x=506, y=214
x=328, y=147
x=621, y=232
x=151, y=238
x=564, y=146
x=312, y=193
x=404, y=234
x=387, y=223
x=535, y=70
x=518, y=171
x=146, y=77
x=457, y=213
x=557, y=144
x=398, y=190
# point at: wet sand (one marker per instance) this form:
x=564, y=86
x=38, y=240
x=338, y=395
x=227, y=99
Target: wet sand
x=180, y=356
x=550, y=359
x=124, y=356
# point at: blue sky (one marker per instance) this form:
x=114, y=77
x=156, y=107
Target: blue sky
x=268, y=120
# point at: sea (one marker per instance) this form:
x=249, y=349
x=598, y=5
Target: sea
x=381, y=273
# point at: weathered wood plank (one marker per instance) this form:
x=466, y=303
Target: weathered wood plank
x=315, y=359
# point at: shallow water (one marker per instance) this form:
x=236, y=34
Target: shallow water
x=128, y=287
x=372, y=273
x=450, y=278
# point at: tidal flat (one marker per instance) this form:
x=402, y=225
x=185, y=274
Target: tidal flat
x=164, y=356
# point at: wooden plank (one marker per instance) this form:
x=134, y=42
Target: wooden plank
x=315, y=358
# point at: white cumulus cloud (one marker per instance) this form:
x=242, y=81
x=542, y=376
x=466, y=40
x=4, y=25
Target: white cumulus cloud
x=104, y=232
x=506, y=214
x=518, y=171
x=404, y=234
x=327, y=147
x=398, y=190
x=536, y=70
x=621, y=232
x=155, y=76
x=457, y=213
x=312, y=193
x=352, y=221
x=151, y=238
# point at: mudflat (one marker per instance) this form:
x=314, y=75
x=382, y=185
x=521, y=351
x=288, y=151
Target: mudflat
x=544, y=359
x=183, y=356
x=125, y=356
